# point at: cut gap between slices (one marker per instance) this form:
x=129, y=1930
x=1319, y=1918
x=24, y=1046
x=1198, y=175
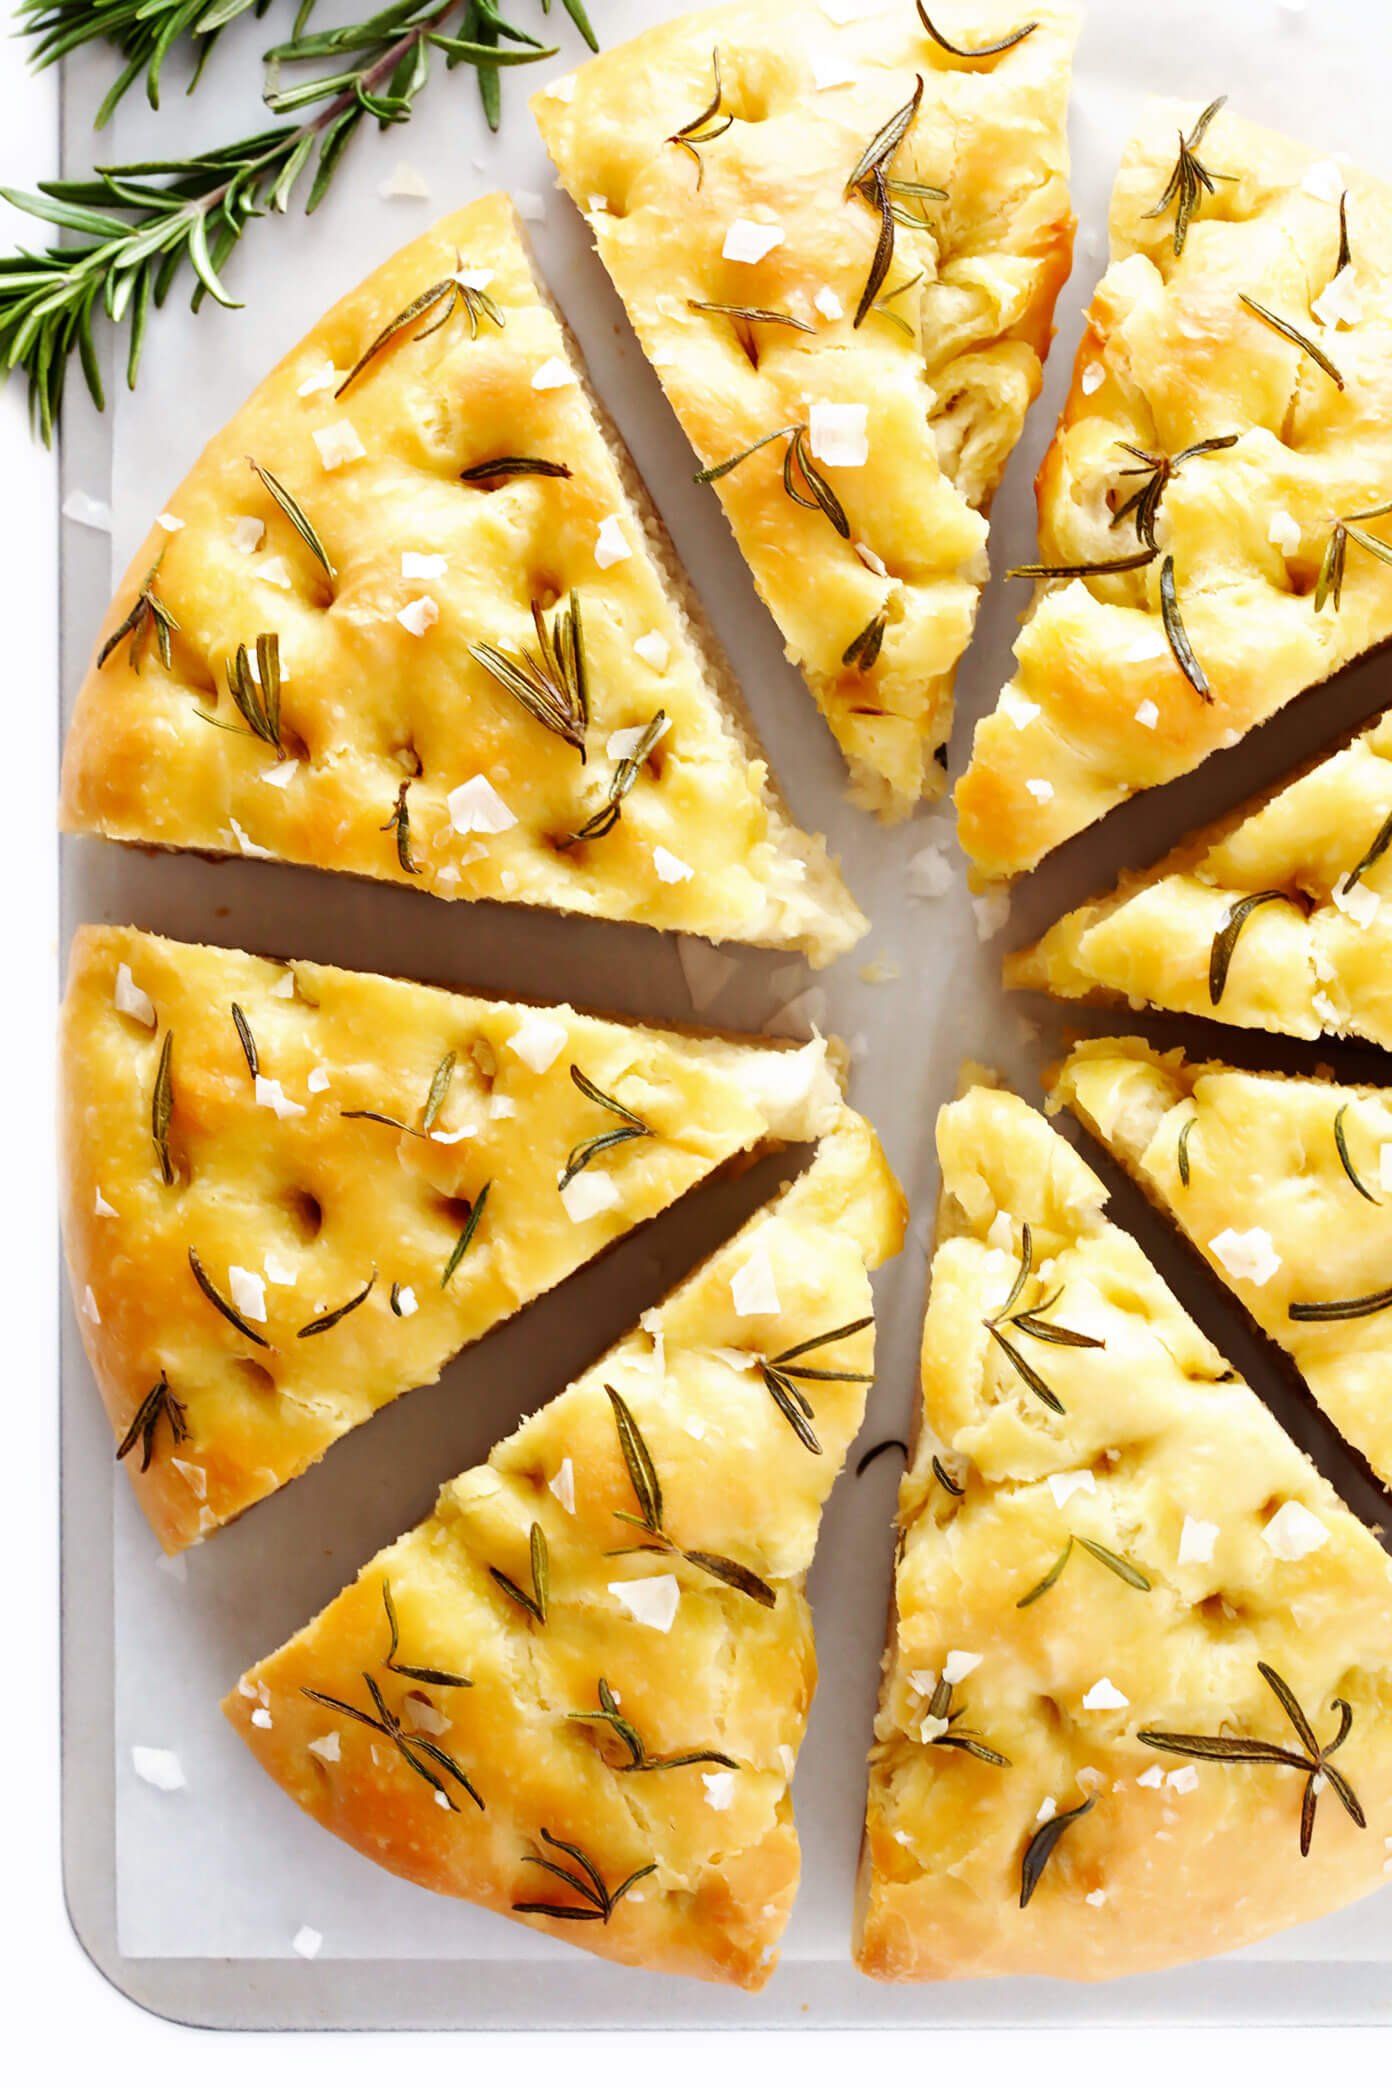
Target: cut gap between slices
x=1267, y=1369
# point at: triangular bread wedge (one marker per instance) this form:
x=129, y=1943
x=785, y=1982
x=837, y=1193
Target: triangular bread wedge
x=254, y=1208
x=873, y=567
x=1079, y=1591
x=398, y=752
x=1099, y=706
x=1285, y=1187
x=1272, y=918
x=620, y=1585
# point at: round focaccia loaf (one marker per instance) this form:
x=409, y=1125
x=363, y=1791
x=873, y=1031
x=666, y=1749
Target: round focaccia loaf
x=1086, y=1595
x=396, y=752
x=912, y=414
x=581, y=1662
x=1098, y=707
x=302, y=1243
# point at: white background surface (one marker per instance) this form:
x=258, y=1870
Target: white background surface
x=936, y=1010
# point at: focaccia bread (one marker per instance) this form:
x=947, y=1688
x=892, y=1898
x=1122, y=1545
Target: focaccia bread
x=728, y=163
x=490, y=677
x=1271, y=918
x=618, y=1594
x=291, y=1192
x=1093, y=1595
x=1283, y=1187
x=1248, y=472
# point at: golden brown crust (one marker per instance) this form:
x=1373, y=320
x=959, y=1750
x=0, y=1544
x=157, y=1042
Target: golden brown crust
x=371, y=706
x=1097, y=708
x=307, y=1203
x=1156, y=1433
x=1269, y=1203
x=1320, y=964
x=946, y=394
x=728, y=1674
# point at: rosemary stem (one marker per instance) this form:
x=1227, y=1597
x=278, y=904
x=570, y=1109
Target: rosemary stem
x=285, y=142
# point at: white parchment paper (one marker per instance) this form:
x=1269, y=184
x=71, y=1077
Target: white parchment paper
x=227, y=1868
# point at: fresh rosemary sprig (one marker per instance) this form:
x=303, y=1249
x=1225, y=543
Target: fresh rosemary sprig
x=434, y=1102
x=874, y=181
x=138, y=224
x=1342, y=1309
x=1345, y=249
x=552, y=684
x=1377, y=849
x=159, y=1404
x=639, y=1759
x=990, y=50
x=781, y=1379
x=219, y=1303
x=1344, y=533
x=1099, y=566
x=941, y=1713
x=1294, y=335
x=1030, y=1320
x=712, y=123
x=1042, y=1844
x=246, y=1040
x=436, y=1678
x=1185, y=1134
x=596, y=1901
x=408, y=1745
x=629, y=1128
x=751, y=315
x=1113, y=1561
x=865, y=648
x=143, y=31
x=946, y=1480
x=626, y=774
x=1156, y=469
x=476, y=40
x=1346, y=1158
x=879, y=153
x=380, y=1116
x=1190, y=180
x=647, y=1489
x=577, y=12
x=1220, y=956
x=449, y=293
x=488, y=28
x=878, y=1450
x=1313, y=1761
x=466, y=1238
x=539, y=1601
x=256, y=695
x=400, y=825
x=1185, y=658
x=147, y=613
x=501, y=468
x=294, y=515
x=162, y=1108
x=438, y=1093
x=328, y=1320
x=802, y=481
x=883, y=305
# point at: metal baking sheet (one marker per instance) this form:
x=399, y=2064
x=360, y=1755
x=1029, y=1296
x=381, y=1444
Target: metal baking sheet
x=188, y=1902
